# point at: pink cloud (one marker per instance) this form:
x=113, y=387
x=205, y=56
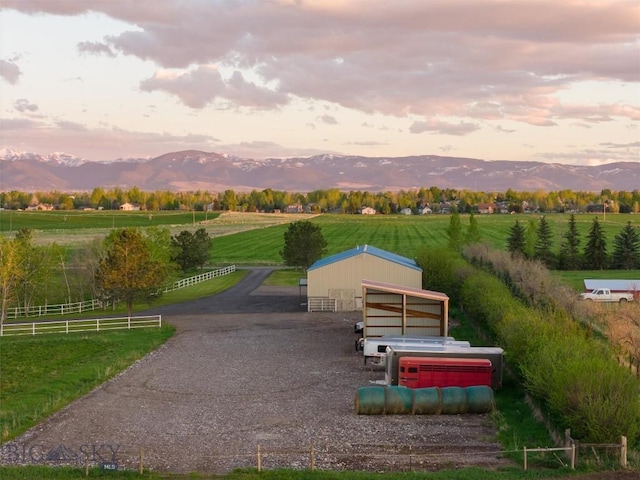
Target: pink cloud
x=204, y=84
x=9, y=71
x=486, y=59
x=444, y=128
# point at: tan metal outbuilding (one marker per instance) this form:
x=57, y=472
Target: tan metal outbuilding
x=334, y=283
x=397, y=310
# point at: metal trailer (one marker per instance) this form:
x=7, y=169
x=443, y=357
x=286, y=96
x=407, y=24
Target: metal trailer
x=426, y=372
x=393, y=355
x=376, y=347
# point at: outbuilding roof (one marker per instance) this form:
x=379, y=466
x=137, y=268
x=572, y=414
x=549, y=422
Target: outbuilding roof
x=614, y=285
x=368, y=249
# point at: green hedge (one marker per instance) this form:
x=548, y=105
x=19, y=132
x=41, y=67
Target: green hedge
x=575, y=375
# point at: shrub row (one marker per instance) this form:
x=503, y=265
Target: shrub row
x=575, y=376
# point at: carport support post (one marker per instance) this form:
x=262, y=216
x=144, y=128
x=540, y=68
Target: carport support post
x=404, y=314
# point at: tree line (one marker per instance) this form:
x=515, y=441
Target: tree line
x=445, y=200
x=535, y=242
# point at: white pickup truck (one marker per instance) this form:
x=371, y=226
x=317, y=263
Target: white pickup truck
x=605, y=295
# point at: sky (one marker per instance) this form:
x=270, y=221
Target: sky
x=541, y=80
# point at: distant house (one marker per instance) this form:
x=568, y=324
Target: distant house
x=296, y=208
x=486, y=208
x=426, y=211
x=406, y=211
x=368, y=211
x=129, y=206
x=41, y=206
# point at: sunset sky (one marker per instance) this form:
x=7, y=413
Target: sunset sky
x=545, y=80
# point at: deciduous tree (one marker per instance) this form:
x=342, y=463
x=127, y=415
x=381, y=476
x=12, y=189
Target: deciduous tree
x=303, y=244
x=454, y=232
x=191, y=250
x=11, y=274
x=472, y=235
x=127, y=272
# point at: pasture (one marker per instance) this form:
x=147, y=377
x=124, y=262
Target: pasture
x=257, y=239
x=401, y=234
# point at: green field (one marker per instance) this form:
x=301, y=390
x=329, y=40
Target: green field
x=401, y=234
x=12, y=221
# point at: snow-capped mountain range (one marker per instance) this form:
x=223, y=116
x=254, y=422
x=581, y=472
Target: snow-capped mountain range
x=194, y=170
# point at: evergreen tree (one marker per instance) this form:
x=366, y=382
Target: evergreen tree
x=530, y=238
x=303, y=244
x=516, y=239
x=472, y=234
x=595, y=251
x=544, y=242
x=569, y=253
x=454, y=232
x=626, y=249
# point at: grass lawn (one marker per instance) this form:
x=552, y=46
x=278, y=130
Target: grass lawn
x=41, y=374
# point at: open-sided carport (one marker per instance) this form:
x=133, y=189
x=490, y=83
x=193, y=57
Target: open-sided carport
x=396, y=310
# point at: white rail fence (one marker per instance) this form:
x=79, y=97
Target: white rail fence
x=60, y=309
x=14, y=313
x=73, y=326
x=322, y=304
x=187, y=282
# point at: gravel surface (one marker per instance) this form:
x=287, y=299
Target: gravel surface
x=249, y=370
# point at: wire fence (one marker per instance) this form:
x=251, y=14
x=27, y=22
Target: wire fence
x=375, y=458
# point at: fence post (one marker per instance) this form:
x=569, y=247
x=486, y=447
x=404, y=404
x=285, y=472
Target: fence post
x=570, y=442
x=312, y=459
x=259, y=460
x=573, y=456
x=623, y=451
x=525, y=459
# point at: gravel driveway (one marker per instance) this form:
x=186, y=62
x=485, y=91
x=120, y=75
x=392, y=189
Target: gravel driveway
x=251, y=369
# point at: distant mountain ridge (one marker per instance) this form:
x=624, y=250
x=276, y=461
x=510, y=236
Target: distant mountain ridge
x=194, y=170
